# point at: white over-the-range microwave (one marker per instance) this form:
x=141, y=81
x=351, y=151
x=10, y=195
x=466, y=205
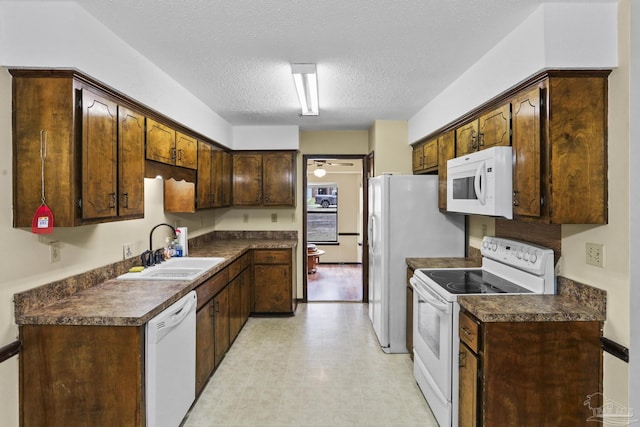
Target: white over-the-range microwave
x=481, y=183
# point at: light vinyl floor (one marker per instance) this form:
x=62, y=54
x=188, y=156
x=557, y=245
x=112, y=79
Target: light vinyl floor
x=321, y=367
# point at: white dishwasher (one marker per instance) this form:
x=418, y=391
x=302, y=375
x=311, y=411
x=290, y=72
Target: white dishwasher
x=170, y=368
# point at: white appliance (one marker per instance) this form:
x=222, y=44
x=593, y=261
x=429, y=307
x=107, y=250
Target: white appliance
x=404, y=221
x=170, y=367
x=481, y=183
x=508, y=267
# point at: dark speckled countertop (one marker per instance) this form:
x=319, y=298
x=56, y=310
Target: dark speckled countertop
x=131, y=302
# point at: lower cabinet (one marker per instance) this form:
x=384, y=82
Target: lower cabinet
x=82, y=375
x=221, y=324
x=273, y=283
x=528, y=373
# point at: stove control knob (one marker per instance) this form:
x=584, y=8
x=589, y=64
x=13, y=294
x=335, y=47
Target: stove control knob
x=533, y=258
x=526, y=256
x=519, y=254
x=495, y=246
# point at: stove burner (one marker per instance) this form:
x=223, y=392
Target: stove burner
x=476, y=281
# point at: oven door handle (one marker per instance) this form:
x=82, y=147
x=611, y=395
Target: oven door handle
x=429, y=299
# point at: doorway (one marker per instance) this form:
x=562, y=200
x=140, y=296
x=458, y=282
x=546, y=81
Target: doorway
x=334, y=224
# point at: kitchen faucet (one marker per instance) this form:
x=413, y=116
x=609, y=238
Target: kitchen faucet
x=153, y=229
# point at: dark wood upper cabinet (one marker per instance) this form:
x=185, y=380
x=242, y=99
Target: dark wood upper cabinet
x=166, y=145
x=186, y=151
x=264, y=178
x=467, y=138
x=494, y=128
x=204, y=193
x=446, y=151
x=93, y=168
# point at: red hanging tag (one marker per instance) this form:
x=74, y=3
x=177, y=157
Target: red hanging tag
x=42, y=220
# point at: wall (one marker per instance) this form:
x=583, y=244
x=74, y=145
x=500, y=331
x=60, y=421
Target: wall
x=478, y=85
x=565, y=36
x=388, y=141
x=63, y=35
x=259, y=137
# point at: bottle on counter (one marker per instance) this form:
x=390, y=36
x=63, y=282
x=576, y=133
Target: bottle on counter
x=177, y=247
x=167, y=248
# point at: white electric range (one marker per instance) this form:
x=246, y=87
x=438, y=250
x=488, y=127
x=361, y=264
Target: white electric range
x=508, y=267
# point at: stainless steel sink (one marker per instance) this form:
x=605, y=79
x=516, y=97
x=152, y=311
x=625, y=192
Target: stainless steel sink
x=188, y=268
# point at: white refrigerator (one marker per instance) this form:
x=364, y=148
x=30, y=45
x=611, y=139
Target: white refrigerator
x=404, y=222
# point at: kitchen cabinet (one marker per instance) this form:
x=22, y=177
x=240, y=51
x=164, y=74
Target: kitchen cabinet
x=264, y=178
x=239, y=294
x=488, y=130
x=560, y=145
x=166, y=145
x=425, y=156
x=273, y=284
x=213, y=178
x=207, y=328
x=92, y=173
x=527, y=373
x=446, y=151
x=68, y=379
x=221, y=324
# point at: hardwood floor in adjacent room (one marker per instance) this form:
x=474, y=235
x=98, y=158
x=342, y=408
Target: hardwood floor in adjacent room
x=335, y=282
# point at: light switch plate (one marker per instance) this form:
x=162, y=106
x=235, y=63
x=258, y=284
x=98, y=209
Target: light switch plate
x=54, y=252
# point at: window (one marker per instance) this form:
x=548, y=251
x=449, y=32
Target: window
x=322, y=213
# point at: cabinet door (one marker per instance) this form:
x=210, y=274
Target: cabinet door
x=468, y=394
x=247, y=179
x=467, y=138
x=245, y=306
x=272, y=288
x=226, y=179
x=186, y=151
x=446, y=151
x=495, y=128
x=203, y=184
x=161, y=142
x=430, y=154
x=235, y=308
x=99, y=156
x=221, y=324
x=204, y=345
x=417, y=158
x=278, y=179
x=526, y=147
x=217, y=177
x=130, y=162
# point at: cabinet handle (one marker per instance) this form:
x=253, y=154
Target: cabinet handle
x=481, y=139
x=217, y=306
x=173, y=154
x=462, y=360
x=257, y=197
x=125, y=200
x=112, y=200
x=474, y=143
x=466, y=331
x=180, y=154
x=516, y=198
x=266, y=198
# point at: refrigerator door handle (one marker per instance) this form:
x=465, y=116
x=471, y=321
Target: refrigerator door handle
x=372, y=240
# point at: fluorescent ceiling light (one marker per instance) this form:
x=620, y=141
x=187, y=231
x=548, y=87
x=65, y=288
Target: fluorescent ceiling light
x=319, y=172
x=306, y=81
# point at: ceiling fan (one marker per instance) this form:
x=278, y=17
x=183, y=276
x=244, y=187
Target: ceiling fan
x=327, y=162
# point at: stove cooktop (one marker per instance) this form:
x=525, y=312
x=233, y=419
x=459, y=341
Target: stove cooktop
x=472, y=281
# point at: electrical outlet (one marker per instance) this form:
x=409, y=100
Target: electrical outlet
x=54, y=252
x=274, y=217
x=595, y=254
x=127, y=250
x=245, y=218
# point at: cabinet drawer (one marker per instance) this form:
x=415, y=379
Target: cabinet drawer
x=271, y=257
x=469, y=331
x=238, y=265
x=215, y=284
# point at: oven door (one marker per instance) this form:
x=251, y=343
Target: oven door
x=432, y=342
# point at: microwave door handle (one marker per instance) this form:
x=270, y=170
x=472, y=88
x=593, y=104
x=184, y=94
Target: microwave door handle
x=479, y=183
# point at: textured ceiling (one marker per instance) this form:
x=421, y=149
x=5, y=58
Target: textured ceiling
x=376, y=59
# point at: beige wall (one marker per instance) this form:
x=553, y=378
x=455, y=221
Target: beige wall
x=614, y=275
x=388, y=139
